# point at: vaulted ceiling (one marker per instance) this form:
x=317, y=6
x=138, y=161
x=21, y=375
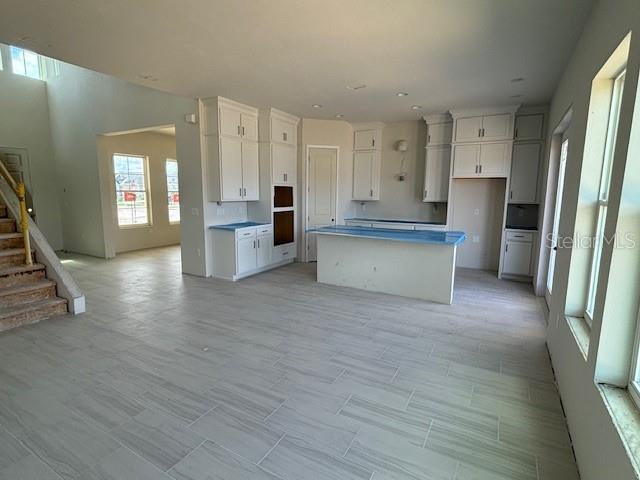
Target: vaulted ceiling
x=292, y=54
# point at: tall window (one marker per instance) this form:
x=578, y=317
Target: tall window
x=132, y=190
x=603, y=193
x=26, y=63
x=173, y=192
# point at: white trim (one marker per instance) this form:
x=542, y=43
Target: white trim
x=305, y=197
x=472, y=112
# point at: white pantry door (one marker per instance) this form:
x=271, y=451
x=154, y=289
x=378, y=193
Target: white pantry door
x=321, y=193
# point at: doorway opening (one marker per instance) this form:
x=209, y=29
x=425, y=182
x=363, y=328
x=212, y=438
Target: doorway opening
x=321, y=198
x=140, y=192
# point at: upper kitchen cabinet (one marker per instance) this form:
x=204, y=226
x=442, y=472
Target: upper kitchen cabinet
x=525, y=166
x=367, y=153
x=529, y=127
x=491, y=160
x=230, y=137
x=278, y=127
x=483, y=125
x=436, y=173
x=439, y=129
x=279, y=130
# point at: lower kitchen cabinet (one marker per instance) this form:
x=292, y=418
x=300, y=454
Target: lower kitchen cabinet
x=241, y=252
x=518, y=253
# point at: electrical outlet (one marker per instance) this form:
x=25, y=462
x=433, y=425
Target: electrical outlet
x=476, y=211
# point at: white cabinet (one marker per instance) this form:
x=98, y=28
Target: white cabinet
x=246, y=255
x=230, y=134
x=283, y=130
x=518, y=253
x=283, y=169
x=365, y=139
x=439, y=133
x=525, y=165
x=489, y=160
x=244, y=251
x=436, y=173
x=366, y=175
x=529, y=127
x=367, y=153
x=474, y=127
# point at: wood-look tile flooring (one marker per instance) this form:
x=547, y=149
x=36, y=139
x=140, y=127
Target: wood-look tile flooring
x=278, y=377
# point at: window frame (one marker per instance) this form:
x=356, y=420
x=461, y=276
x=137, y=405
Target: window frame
x=166, y=162
x=24, y=63
x=617, y=90
x=147, y=191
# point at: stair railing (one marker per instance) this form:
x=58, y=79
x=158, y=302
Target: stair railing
x=20, y=191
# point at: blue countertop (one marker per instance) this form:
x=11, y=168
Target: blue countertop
x=388, y=220
x=236, y=226
x=410, y=236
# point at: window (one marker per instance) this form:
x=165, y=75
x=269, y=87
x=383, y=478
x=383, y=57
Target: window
x=173, y=192
x=603, y=193
x=132, y=191
x=26, y=63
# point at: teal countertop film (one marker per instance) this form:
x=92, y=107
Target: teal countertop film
x=410, y=236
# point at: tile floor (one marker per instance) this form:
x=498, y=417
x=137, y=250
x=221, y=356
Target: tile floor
x=278, y=377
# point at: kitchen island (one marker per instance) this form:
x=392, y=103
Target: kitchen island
x=413, y=263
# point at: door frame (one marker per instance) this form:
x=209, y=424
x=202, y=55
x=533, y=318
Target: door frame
x=305, y=197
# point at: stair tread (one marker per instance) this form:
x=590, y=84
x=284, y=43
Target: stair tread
x=6, y=312
x=6, y=220
x=45, y=283
x=5, y=236
x=7, y=252
x=21, y=269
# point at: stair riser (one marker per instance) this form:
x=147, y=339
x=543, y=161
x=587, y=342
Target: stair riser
x=12, y=260
x=7, y=227
x=3, y=211
x=27, y=297
x=33, y=316
x=21, y=278
x=12, y=243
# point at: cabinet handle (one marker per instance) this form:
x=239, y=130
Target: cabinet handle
x=479, y=132
x=373, y=142
x=258, y=243
x=285, y=177
x=245, y=192
x=425, y=194
x=240, y=191
x=371, y=193
x=243, y=131
x=238, y=130
x=284, y=136
x=428, y=138
x=254, y=244
x=476, y=168
x=506, y=248
x=483, y=132
x=480, y=169
x=510, y=194
x=516, y=133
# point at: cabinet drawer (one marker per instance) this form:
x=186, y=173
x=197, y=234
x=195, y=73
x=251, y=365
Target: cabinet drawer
x=265, y=230
x=246, y=233
x=520, y=236
x=284, y=252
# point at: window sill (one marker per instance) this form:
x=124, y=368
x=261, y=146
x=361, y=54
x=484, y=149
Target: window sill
x=581, y=333
x=133, y=227
x=626, y=418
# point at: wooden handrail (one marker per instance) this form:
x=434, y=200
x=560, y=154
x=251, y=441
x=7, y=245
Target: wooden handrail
x=20, y=191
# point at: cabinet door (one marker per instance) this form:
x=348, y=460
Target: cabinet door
x=436, y=174
x=496, y=127
x=364, y=139
x=250, y=171
x=524, y=173
x=494, y=160
x=362, y=175
x=465, y=160
x=529, y=127
x=230, y=123
x=231, y=168
x=246, y=257
x=439, y=133
x=517, y=258
x=249, y=125
x=468, y=129
x=282, y=131
x=265, y=248
x=283, y=164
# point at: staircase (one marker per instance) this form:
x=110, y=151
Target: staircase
x=26, y=295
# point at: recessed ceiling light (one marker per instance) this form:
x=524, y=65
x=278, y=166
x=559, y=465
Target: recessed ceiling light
x=517, y=80
x=401, y=94
x=339, y=115
x=356, y=87
x=316, y=105
x=416, y=107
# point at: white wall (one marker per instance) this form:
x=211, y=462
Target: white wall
x=598, y=447
x=402, y=200
x=84, y=104
x=24, y=124
x=157, y=148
